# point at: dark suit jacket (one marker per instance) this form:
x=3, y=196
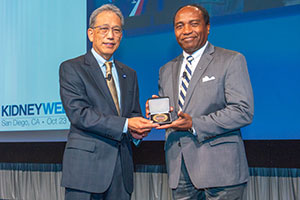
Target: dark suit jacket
x=95, y=138
x=220, y=101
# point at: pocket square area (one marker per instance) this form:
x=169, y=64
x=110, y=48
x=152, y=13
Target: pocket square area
x=206, y=78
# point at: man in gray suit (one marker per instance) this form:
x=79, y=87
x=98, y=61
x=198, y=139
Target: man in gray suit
x=100, y=97
x=211, y=96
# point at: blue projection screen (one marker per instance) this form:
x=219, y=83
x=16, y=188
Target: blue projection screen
x=269, y=39
x=36, y=36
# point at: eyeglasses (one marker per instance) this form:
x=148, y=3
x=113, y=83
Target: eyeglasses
x=117, y=31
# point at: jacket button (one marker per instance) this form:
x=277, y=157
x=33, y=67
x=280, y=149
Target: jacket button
x=179, y=144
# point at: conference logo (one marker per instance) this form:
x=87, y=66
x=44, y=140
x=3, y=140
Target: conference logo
x=46, y=115
x=32, y=109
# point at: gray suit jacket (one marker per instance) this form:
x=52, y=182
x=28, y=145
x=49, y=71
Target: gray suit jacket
x=220, y=101
x=95, y=138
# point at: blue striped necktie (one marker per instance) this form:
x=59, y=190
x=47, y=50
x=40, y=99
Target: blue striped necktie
x=186, y=78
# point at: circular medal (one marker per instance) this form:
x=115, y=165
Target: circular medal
x=160, y=118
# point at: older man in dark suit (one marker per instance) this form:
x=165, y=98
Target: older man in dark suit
x=100, y=96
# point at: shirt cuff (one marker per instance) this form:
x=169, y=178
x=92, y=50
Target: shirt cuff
x=136, y=142
x=193, y=131
x=125, y=128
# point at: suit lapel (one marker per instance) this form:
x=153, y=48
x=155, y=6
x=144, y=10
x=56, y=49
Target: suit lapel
x=200, y=69
x=175, y=76
x=95, y=72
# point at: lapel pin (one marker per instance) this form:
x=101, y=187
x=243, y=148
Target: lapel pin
x=124, y=75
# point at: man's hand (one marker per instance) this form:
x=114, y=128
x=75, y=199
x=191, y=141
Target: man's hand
x=183, y=123
x=140, y=125
x=138, y=135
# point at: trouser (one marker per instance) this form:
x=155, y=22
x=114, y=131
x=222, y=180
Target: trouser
x=186, y=190
x=115, y=191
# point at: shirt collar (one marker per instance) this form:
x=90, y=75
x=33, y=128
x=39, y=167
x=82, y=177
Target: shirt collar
x=99, y=58
x=197, y=54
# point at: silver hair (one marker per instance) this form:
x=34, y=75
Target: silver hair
x=105, y=7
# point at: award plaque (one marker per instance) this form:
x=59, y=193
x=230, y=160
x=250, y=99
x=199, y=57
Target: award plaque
x=159, y=109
